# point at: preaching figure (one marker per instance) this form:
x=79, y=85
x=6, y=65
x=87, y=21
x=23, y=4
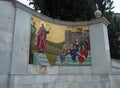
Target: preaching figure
x=41, y=38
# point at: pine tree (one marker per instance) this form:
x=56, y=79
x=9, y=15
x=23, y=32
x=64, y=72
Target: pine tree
x=114, y=37
x=69, y=10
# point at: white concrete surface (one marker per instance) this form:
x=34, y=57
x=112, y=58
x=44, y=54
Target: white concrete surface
x=20, y=55
x=100, y=52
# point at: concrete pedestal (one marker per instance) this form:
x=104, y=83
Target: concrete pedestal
x=100, y=52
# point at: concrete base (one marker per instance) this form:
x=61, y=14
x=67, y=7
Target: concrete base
x=3, y=81
x=65, y=81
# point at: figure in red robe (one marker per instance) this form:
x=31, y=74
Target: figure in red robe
x=41, y=38
x=82, y=55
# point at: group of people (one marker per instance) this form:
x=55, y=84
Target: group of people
x=77, y=50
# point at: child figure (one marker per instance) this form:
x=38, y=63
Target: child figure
x=82, y=55
x=63, y=54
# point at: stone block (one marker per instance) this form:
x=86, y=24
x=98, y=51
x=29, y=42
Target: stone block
x=25, y=80
x=5, y=41
x=50, y=78
x=3, y=81
x=95, y=78
x=45, y=85
x=36, y=69
x=4, y=62
x=59, y=85
x=51, y=85
x=74, y=85
x=6, y=8
x=70, y=70
x=75, y=70
x=79, y=78
x=62, y=78
x=115, y=78
x=52, y=70
x=87, y=70
x=115, y=84
x=37, y=85
x=94, y=85
x=40, y=79
x=28, y=86
x=115, y=71
x=7, y=14
x=7, y=23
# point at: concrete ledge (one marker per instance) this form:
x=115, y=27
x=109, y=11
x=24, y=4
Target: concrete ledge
x=65, y=81
x=115, y=67
x=115, y=64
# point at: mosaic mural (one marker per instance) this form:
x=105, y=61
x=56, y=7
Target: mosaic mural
x=59, y=45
